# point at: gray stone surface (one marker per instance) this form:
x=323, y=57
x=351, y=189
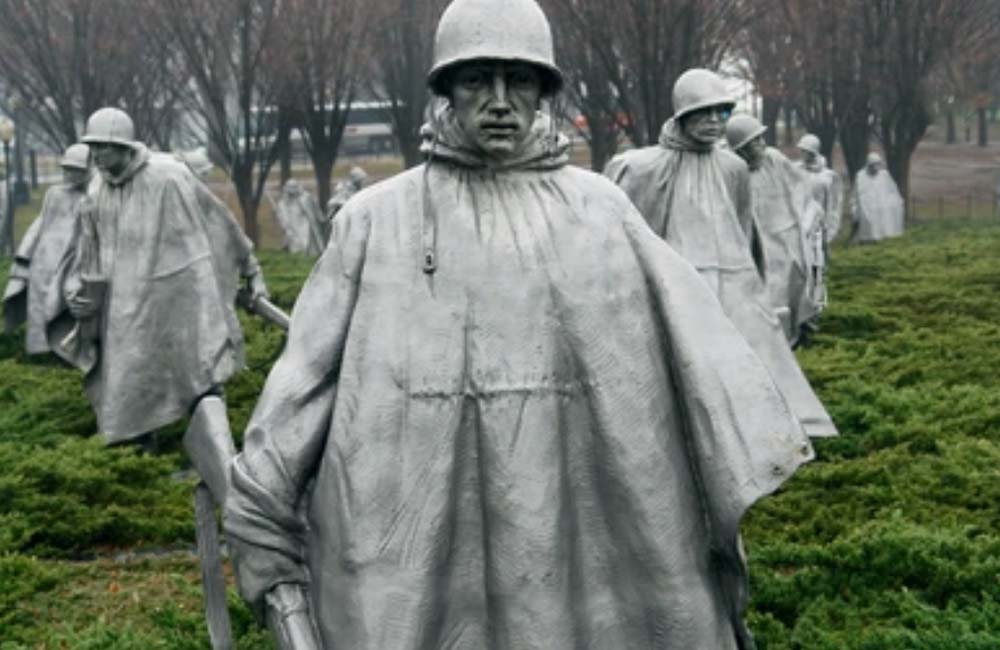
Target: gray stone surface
x=508, y=415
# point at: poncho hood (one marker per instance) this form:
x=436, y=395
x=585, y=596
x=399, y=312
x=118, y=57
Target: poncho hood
x=543, y=148
x=815, y=166
x=139, y=160
x=672, y=136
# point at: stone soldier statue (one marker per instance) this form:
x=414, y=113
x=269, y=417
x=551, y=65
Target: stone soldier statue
x=877, y=210
x=782, y=202
x=145, y=241
x=354, y=183
x=697, y=196
x=828, y=191
x=826, y=185
x=301, y=220
x=153, y=285
x=28, y=297
x=508, y=415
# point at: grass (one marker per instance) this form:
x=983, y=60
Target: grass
x=889, y=540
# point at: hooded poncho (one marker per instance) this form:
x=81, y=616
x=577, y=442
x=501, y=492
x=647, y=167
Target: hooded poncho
x=782, y=202
x=828, y=191
x=302, y=222
x=698, y=199
x=548, y=442
x=876, y=206
x=172, y=255
x=42, y=249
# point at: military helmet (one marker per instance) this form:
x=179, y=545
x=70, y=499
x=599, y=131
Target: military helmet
x=110, y=125
x=515, y=30
x=699, y=88
x=810, y=143
x=742, y=129
x=873, y=159
x=357, y=175
x=76, y=157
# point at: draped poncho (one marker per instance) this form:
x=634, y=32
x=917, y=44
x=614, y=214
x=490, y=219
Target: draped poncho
x=302, y=223
x=828, y=191
x=508, y=416
x=171, y=254
x=876, y=206
x=39, y=254
x=697, y=198
x=782, y=202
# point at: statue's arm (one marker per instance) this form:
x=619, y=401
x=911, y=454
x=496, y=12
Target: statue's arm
x=287, y=432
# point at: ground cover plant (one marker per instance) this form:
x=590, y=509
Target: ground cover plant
x=889, y=540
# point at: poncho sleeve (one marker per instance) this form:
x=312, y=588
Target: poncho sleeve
x=289, y=426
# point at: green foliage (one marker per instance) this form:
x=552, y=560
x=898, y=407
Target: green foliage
x=77, y=497
x=152, y=603
x=890, y=540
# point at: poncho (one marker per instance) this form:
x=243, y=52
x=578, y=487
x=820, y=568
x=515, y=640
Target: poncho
x=829, y=193
x=172, y=256
x=698, y=199
x=302, y=223
x=42, y=249
x=782, y=202
x=546, y=443
x=876, y=206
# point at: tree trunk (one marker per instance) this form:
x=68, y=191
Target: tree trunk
x=249, y=202
x=952, y=136
x=984, y=128
x=603, y=143
x=284, y=145
x=769, y=118
x=323, y=160
x=898, y=164
x=854, y=142
x=789, y=134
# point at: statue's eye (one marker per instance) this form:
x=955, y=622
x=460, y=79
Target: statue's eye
x=472, y=78
x=522, y=77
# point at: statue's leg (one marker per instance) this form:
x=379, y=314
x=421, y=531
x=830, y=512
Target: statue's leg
x=209, y=444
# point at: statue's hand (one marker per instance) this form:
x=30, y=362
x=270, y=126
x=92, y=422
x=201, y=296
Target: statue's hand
x=258, y=288
x=289, y=618
x=15, y=286
x=81, y=308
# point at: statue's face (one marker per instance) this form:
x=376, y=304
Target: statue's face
x=809, y=156
x=75, y=177
x=495, y=104
x=753, y=152
x=110, y=157
x=706, y=125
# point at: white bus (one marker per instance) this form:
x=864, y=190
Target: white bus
x=369, y=129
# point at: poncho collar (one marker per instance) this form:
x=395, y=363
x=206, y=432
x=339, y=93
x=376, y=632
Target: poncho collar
x=672, y=136
x=139, y=160
x=544, y=148
x=817, y=165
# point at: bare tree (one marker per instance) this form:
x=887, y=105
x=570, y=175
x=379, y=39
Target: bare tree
x=67, y=58
x=401, y=49
x=582, y=33
x=230, y=51
x=622, y=59
x=909, y=40
x=323, y=40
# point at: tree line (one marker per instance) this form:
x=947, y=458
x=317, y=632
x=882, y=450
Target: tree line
x=851, y=71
